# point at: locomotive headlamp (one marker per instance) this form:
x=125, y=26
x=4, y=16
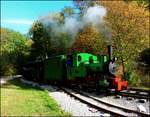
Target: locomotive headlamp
x=112, y=67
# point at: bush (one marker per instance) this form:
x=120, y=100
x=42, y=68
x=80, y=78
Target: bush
x=145, y=81
x=127, y=75
x=8, y=70
x=128, y=72
x=132, y=75
x=134, y=79
x=144, y=56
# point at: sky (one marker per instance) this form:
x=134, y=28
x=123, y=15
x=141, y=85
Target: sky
x=19, y=15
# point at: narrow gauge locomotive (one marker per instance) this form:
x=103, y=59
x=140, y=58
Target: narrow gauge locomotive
x=78, y=68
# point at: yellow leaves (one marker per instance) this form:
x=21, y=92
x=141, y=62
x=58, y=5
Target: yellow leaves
x=89, y=40
x=130, y=27
x=29, y=42
x=126, y=13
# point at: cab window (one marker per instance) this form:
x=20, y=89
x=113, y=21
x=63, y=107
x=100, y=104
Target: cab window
x=90, y=59
x=79, y=58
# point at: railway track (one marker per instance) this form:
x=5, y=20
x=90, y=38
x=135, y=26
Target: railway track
x=135, y=94
x=141, y=90
x=132, y=92
x=101, y=105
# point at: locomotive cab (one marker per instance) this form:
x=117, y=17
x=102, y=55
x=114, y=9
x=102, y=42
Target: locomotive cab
x=80, y=64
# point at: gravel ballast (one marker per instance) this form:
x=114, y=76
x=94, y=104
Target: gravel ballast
x=77, y=108
x=73, y=106
x=67, y=103
x=124, y=102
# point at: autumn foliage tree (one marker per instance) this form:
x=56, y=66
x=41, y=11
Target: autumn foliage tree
x=89, y=40
x=142, y=3
x=130, y=28
x=128, y=23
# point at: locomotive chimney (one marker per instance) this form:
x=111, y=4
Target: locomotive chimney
x=110, y=52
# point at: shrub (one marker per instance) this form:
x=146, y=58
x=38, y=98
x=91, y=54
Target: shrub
x=144, y=56
x=145, y=81
x=9, y=70
x=134, y=79
x=132, y=75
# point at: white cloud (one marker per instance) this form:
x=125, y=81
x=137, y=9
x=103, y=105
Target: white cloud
x=18, y=21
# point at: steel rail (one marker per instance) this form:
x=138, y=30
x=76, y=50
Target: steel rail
x=101, y=108
x=92, y=105
x=125, y=109
x=140, y=96
x=140, y=90
x=137, y=89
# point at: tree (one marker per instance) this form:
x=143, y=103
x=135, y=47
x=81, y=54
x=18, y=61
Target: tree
x=141, y=3
x=89, y=40
x=130, y=28
x=14, y=50
x=68, y=11
x=41, y=41
x=82, y=6
x=49, y=34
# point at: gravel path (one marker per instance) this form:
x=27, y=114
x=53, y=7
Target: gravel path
x=71, y=105
x=4, y=79
x=67, y=103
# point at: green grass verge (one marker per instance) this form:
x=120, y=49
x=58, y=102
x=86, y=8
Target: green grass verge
x=142, y=88
x=18, y=99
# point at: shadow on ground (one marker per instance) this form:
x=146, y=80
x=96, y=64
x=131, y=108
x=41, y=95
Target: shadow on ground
x=17, y=84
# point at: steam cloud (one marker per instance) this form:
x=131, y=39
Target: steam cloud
x=72, y=24
x=94, y=15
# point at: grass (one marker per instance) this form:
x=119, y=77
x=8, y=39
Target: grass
x=18, y=99
x=144, y=88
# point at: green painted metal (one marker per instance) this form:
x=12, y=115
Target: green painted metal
x=79, y=70
x=103, y=83
x=105, y=58
x=54, y=68
x=81, y=63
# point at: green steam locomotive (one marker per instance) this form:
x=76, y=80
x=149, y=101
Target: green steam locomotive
x=76, y=68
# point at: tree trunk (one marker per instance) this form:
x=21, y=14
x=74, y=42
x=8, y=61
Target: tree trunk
x=122, y=61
